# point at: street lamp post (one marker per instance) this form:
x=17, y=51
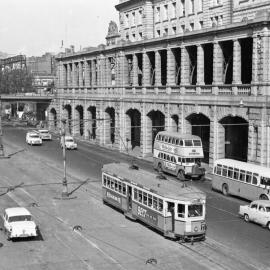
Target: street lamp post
x=63, y=133
x=2, y=154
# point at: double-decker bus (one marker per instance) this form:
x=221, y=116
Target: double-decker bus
x=242, y=179
x=177, y=211
x=179, y=154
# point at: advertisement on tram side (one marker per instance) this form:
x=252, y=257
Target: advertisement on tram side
x=113, y=197
x=147, y=215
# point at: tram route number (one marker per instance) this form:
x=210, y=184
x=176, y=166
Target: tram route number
x=142, y=212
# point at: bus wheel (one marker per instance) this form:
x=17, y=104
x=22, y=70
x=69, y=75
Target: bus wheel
x=181, y=176
x=159, y=168
x=225, y=189
x=246, y=217
x=263, y=197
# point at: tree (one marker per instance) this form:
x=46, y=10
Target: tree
x=15, y=81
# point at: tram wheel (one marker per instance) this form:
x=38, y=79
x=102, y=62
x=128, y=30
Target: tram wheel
x=181, y=176
x=225, y=189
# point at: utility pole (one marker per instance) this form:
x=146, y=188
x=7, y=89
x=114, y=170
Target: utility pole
x=63, y=134
x=2, y=153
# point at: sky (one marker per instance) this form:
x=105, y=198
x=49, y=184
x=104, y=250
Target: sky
x=34, y=27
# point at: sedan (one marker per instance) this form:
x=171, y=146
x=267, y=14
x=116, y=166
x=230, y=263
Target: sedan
x=258, y=211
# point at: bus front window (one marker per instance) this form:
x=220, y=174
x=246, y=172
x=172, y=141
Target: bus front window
x=195, y=210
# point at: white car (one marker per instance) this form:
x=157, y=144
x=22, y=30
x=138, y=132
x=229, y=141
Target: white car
x=18, y=223
x=44, y=134
x=33, y=138
x=258, y=211
x=69, y=142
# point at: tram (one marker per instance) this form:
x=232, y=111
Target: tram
x=177, y=211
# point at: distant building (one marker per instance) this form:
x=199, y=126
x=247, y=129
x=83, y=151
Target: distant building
x=43, y=70
x=192, y=66
x=14, y=62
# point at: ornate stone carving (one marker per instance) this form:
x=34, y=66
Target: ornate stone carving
x=112, y=30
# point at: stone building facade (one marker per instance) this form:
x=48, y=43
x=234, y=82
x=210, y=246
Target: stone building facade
x=192, y=66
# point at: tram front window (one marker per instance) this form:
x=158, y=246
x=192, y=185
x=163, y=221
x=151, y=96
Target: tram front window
x=181, y=210
x=195, y=210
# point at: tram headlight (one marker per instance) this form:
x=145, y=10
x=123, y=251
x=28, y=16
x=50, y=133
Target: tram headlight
x=195, y=229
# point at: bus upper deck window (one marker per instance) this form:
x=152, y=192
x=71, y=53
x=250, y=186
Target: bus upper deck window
x=177, y=141
x=166, y=139
x=179, y=160
x=181, y=143
x=197, y=143
x=181, y=210
x=173, y=140
x=188, y=143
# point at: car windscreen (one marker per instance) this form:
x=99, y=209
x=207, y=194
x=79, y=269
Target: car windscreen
x=34, y=136
x=44, y=132
x=69, y=140
x=20, y=218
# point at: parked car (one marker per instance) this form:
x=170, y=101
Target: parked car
x=258, y=211
x=18, y=223
x=69, y=142
x=33, y=138
x=44, y=134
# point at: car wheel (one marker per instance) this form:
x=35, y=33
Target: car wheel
x=225, y=189
x=268, y=226
x=246, y=217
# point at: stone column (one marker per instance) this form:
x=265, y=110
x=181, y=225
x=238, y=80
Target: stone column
x=146, y=69
x=200, y=65
x=157, y=68
x=74, y=75
x=86, y=74
x=94, y=77
x=236, y=62
x=184, y=69
x=80, y=74
x=69, y=78
x=170, y=67
x=217, y=67
x=135, y=70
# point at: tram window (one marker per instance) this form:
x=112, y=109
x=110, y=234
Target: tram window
x=155, y=202
x=116, y=186
x=158, y=137
x=181, y=143
x=120, y=186
x=135, y=194
x=230, y=172
x=181, y=210
x=179, y=160
x=170, y=140
x=224, y=171
x=248, y=177
x=173, y=140
x=168, y=157
x=162, y=138
x=242, y=175
x=173, y=159
x=160, y=205
x=255, y=179
x=166, y=139
x=112, y=184
x=197, y=142
x=124, y=189
x=108, y=183
x=145, y=198
x=177, y=141
x=188, y=143
x=150, y=200
x=236, y=174
x=159, y=155
x=104, y=180
x=140, y=195
x=195, y=210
